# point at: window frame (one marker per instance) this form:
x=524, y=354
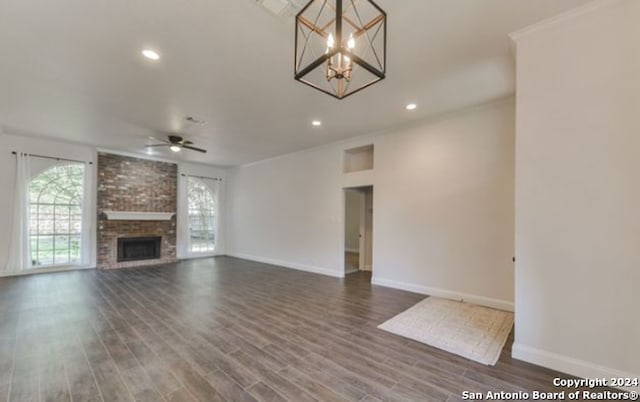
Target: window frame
x=74, y=201
x=210, y=213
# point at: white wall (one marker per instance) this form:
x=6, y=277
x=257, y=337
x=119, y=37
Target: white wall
x=9, y=143
x=443, y=200
x=578, y=192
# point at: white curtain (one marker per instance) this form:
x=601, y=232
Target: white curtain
x=88, y=228
x=19, y=251
x=184, y=235
x=213, y=184
x=220, y=213
x=184, y=240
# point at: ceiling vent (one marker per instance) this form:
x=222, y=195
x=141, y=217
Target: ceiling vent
x=283, y=8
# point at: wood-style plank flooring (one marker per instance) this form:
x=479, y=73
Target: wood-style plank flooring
x=225, y=329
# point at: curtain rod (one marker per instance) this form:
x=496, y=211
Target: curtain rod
x=54, y=158
x=201, y=177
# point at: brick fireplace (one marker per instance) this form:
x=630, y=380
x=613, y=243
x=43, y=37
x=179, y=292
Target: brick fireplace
x=135, y=187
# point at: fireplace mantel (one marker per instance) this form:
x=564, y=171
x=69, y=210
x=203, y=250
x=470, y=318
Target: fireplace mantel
x=138, y=216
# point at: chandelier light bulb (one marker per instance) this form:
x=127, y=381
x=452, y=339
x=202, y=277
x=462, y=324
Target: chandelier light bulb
x=351, y=43
x=330, y=42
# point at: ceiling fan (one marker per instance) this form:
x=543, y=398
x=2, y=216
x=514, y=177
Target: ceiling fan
x=176, y=143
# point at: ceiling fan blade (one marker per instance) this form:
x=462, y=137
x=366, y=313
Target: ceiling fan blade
x=187, y=142
x=156, y=145
x=160, y=140
x=194, y=148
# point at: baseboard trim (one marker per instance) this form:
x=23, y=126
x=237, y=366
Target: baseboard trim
x=35, y=271
x=568, y=365
x=445, y=294
x=287, y=264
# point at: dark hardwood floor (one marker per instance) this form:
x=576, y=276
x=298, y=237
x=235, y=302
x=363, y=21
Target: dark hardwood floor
x=225, y=329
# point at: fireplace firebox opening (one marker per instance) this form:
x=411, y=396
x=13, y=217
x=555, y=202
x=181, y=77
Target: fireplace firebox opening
x=138, y=248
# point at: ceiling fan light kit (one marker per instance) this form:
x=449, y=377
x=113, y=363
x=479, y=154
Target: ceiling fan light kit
x=340, y=46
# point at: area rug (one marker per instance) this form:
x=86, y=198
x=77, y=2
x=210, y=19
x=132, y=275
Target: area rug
x=475, y=332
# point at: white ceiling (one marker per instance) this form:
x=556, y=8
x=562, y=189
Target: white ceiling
x=72, y=70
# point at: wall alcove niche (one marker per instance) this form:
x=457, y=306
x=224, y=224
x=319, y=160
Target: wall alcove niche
x=358, y=159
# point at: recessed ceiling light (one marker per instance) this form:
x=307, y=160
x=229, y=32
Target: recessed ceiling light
x=151, y=54
x=175, y=148
x=411, y=106
x=316, y=123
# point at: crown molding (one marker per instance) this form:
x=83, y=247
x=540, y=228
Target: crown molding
x=560, y=18
x=136, y=155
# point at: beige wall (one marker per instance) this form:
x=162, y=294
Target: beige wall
x=443, y=200
x=444, y=206
x=578, y=192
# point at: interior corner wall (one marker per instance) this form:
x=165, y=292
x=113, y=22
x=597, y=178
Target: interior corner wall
x=9, y=143
x=578, y=192
x=286, y=211
x=443, y=207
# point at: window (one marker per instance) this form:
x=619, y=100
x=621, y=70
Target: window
x=202, y=214
x=55, y=215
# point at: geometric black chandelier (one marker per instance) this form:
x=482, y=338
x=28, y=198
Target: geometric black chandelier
x=340, y=46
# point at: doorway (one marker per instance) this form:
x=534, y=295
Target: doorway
x=358, y=229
